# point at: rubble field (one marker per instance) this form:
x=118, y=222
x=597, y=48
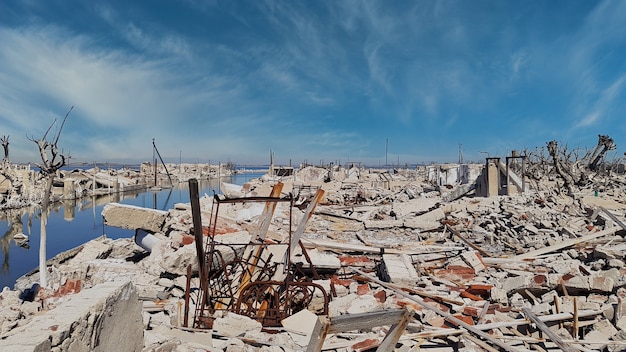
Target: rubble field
x=410, y=260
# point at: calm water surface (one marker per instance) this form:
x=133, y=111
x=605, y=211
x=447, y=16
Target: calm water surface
x=71, y=224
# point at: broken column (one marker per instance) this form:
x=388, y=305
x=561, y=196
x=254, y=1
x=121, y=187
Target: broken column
x=493, y=177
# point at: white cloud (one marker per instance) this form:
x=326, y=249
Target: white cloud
x=518, y=61
x=603, y=104
x=590, y=119
x=114, y=91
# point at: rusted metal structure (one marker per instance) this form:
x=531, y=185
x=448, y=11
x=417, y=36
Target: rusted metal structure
x=256, y=279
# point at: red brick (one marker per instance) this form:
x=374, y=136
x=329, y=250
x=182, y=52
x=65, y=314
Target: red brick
x=471, y=311
x=335, y=280
x=455, y=273
x=187, y=239
x=381, y=296
x=362, y=289
x=356, y=261
x=70, y=286
x=412, y=305
x=464, y=318
x=365, y=345
x=466, y=294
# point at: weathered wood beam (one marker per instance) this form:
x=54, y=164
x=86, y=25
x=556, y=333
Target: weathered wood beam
x=566, y=243
x=397, y=318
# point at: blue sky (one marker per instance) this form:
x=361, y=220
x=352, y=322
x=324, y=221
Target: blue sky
x=311, y=80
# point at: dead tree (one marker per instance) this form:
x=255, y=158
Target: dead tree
x=52, y=161
x=605, y=143
x=5, y=145
x=561, y=170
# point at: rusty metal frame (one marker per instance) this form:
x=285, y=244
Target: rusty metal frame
x=238, y=277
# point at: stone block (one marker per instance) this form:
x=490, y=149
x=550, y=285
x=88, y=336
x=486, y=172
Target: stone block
x=340, y=305
x=94, y=249
x=232, y=325
x=364, y=304
x=400, y=269
x=102, y=318
x=474, y=260
x=601, y=283
x=132, y=217
x=577, y=283
x=515, y=283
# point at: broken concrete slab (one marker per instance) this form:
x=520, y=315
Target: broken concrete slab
x=232, y=325
x=426, y=222
x=132, y=217
x=72, y=325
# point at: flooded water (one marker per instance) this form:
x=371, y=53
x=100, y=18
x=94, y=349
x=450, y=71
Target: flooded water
x=73, y=223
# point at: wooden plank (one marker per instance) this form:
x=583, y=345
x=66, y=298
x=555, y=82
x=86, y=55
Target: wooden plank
x=566, y=243
x=349, y=322
x=265, y=219
x=544, y=318
x=391, y=339
x=350, y=247
x=422, y=293
x=295, y=240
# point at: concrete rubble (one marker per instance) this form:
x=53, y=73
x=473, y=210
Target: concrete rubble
x=23, y=186
x=537, y=269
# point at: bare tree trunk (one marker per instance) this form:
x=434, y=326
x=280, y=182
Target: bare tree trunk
x=567, y=178
x=50, y=165
x=43, y=269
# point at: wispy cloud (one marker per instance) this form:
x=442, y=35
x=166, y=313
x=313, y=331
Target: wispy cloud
x=603, y=104
x=236, y=79
x=126, y=96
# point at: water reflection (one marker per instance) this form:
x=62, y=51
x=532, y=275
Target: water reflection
x=69, y=209
x=15, y=226
x=71, y=223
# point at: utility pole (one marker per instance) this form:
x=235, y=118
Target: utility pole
x=386, y=151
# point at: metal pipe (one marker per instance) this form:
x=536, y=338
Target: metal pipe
x=145, y=239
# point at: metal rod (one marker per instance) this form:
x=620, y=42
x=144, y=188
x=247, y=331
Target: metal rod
x=187, y=288
x=197, y=225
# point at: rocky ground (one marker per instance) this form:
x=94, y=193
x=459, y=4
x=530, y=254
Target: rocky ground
x=539, y=271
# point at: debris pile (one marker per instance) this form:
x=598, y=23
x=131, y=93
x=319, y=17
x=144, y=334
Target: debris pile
x=394, y=265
